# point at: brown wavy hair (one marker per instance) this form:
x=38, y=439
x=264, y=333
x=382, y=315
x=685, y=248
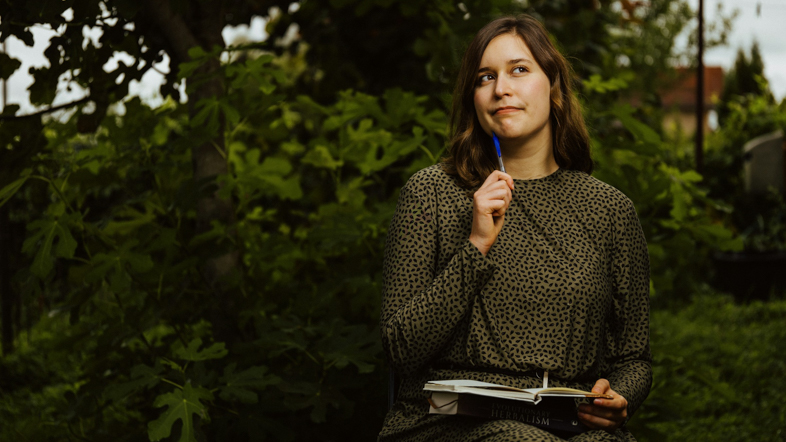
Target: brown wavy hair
x=472, y=156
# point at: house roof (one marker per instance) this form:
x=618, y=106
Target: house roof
x=682, y=93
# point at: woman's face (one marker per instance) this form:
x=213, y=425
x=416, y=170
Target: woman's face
x=512, y=92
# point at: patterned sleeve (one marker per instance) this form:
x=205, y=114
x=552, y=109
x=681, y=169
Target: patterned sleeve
x=420, y=307
x=630, y=370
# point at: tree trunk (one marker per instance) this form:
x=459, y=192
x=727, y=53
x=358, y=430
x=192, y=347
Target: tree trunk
x=209, y=162
x=203, y=28
x=7, y=297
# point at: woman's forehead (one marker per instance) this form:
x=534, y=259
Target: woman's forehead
x=506, y=47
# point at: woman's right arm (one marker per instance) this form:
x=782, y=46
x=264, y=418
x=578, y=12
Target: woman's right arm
x=421, y=307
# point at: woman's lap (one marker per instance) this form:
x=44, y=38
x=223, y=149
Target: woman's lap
x=409, y=421
x=500, y=431
x=461, y=429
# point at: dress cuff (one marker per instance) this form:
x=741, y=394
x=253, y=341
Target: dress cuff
x=484, y=267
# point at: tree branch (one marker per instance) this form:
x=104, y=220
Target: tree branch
x=172, y=27
x=45, y=111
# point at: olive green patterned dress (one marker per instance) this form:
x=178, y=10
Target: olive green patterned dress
x=565, y=288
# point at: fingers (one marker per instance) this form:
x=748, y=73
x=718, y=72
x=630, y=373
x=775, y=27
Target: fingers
x=598, y=423
x=498, y=176
x=490, y=203
x=615, y=409
x=495, y=195
x=604, y=414
x=601, y=420
x=494, y=201
x=602, y=386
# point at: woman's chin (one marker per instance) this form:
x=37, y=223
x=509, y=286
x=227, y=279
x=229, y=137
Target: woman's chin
x=508, y=129
x=507, y=133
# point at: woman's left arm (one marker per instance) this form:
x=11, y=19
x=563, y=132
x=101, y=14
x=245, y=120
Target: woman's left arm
x=629, y=361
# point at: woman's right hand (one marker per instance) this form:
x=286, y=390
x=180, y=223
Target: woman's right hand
x=490, y=203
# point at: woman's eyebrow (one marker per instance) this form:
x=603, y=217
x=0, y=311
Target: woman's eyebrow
x=514, y=61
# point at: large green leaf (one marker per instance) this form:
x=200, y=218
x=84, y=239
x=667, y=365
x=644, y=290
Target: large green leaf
x=192, y=353
x=128, y=220
x=288, y=188
x=120, y=260
x=647, y=141
x=391, y=153
x=240, y=385
x=142, y=377
x=320, y=156
x=352, y=192
x=42, y=241
x=598, y=84
x=9, y=190
x=181, y=405
x=8, y=66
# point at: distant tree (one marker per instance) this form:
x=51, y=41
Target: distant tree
x=745, y=78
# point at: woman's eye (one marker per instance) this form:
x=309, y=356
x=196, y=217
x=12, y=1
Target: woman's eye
x=520, y=69
x=484, y=78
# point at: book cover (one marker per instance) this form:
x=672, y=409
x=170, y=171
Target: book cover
x=557, y=414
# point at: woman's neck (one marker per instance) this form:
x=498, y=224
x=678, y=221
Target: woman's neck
x=529, y=161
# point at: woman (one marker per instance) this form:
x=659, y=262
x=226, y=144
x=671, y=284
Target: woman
x=501, y=277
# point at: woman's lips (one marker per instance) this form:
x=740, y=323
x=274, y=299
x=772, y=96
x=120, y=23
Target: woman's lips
x=506, y=110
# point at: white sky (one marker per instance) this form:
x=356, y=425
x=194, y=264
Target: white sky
x=147, y=89
x=766, y=28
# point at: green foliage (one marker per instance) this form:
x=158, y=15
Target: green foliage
x=192, y=352
x=313, y=186
x=181, y=404
x=765, y=218
x=677, y=215
x=746, y=110
x=717, y=373
x=759, y=219
x=241, y=385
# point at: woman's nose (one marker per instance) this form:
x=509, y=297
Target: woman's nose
x=502, y=86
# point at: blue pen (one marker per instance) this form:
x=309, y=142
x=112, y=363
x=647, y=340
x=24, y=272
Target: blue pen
x=499, y=152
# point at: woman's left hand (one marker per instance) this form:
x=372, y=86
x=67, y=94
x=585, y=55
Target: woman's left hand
x=604, y=414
